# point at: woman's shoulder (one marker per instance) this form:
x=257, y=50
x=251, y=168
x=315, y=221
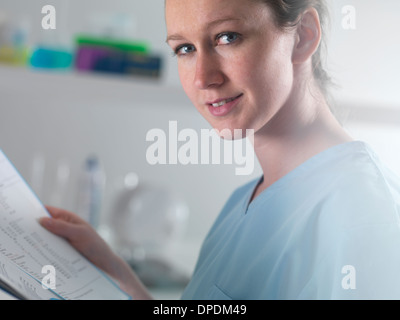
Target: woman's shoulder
x=363, y=189
x=362, y=170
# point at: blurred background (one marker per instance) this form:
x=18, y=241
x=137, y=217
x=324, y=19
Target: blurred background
x=76, y=103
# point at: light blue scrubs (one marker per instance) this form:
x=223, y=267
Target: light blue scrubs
x=327, y=230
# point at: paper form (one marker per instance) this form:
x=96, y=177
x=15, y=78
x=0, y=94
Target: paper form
x=26, y=247
x=21, y=284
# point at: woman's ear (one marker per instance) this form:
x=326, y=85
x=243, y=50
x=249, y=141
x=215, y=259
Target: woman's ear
x=308, y=36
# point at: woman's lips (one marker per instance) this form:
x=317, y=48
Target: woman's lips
x=222, y=107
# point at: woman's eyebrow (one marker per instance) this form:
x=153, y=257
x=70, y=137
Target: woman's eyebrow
x=174, y=37
x=209, y=25
x=222, y=20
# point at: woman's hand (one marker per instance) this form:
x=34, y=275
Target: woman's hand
x=87, y=241
x=79, y=234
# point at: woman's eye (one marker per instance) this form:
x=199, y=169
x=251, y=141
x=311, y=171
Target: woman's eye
x=184, y=49
x=227, y=38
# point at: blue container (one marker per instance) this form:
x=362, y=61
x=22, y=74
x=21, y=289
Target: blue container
x=51, y=58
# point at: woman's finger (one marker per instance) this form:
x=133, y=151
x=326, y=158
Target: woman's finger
x=65, y=215
x=58, y=226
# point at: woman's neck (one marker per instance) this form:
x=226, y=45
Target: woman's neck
x=293, y=136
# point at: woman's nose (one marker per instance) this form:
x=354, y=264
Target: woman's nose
x=208, y=73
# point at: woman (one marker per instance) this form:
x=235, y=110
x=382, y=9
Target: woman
x=322, y=222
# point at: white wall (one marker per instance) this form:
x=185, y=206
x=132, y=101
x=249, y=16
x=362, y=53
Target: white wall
x=364, y=61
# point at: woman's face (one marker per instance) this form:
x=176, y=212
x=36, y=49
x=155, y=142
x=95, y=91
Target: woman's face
x=234, y=63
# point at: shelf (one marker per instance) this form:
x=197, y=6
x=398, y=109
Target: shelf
x=88, y=87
